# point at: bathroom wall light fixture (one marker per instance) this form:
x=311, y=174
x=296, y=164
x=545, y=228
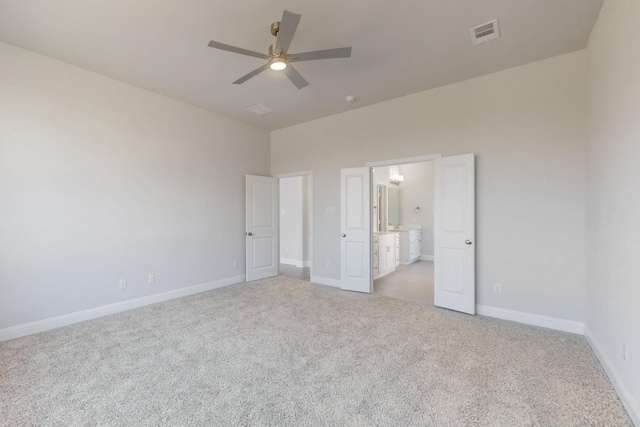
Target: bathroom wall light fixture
x=396, y=179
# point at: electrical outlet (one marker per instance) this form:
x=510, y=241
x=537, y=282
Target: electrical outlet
x=152, y=279
x=286, y=249
x=497, y=288
x=122, y=284
x=331, y=210
x=328, y=265
x=624, y=352
x=235, y=263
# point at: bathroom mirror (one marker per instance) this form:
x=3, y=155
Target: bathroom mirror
x=393, y=200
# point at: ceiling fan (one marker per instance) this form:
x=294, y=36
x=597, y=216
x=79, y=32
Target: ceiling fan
x=279, y=58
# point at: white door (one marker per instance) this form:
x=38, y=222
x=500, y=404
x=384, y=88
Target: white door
x=261, y=227
x=454, y=233
x=356, y=229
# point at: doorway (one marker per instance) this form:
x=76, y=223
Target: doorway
x=454, y=231
x=295, y=226
x=403, y=248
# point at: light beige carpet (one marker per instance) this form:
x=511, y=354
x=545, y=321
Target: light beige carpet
x=283, y=352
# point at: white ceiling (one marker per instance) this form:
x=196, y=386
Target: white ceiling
x=399, y=47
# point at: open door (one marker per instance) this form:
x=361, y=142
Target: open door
x=261, y=227
x=355, y=274
x=454, y=233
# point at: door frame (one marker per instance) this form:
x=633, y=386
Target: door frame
x=309, y=174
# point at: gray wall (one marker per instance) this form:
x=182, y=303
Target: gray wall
x=527, y=126
x=100, y=180
x=613, y=196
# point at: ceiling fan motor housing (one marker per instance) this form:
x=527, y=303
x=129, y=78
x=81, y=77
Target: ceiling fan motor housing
x=275, y=27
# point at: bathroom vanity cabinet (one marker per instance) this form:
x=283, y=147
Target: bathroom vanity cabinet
x=385, y=253
x=410, y=246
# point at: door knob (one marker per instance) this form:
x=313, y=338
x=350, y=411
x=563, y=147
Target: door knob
x=249, y=234
x=468, y=242
x=344, y=235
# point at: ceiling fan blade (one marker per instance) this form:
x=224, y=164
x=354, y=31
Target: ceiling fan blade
x=239, y=50
x=341, y=52
x=295, y=77
x=288, y=27
x=251, y=74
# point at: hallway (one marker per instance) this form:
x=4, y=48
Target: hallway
x=289, y=270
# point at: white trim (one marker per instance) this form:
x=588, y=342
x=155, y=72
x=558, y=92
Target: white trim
x=295, y=262
x=426, y=257
x=326, y=281
x=630, y=404
x=294, y=174
x=105, y=310
x=412, y=260
x=531, y=319
x=309, y=261
x=404, y=160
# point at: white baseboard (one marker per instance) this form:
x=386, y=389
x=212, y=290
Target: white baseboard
x=295, y=262
x=531, y=319
x=631, y=405
x=326, y=281
x=105, y=310
x=426, y=258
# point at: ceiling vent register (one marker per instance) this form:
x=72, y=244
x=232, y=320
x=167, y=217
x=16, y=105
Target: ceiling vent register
x=261, y=109
x=485, y=32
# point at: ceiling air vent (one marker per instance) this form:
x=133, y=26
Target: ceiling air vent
x=260, y=109
x=485, y=32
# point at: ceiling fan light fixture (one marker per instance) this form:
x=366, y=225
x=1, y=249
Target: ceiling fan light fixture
x=278, y=64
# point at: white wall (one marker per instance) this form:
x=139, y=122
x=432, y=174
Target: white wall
x=527, y=126
x=613, y=196
x=100, y=180
x=417, y=191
